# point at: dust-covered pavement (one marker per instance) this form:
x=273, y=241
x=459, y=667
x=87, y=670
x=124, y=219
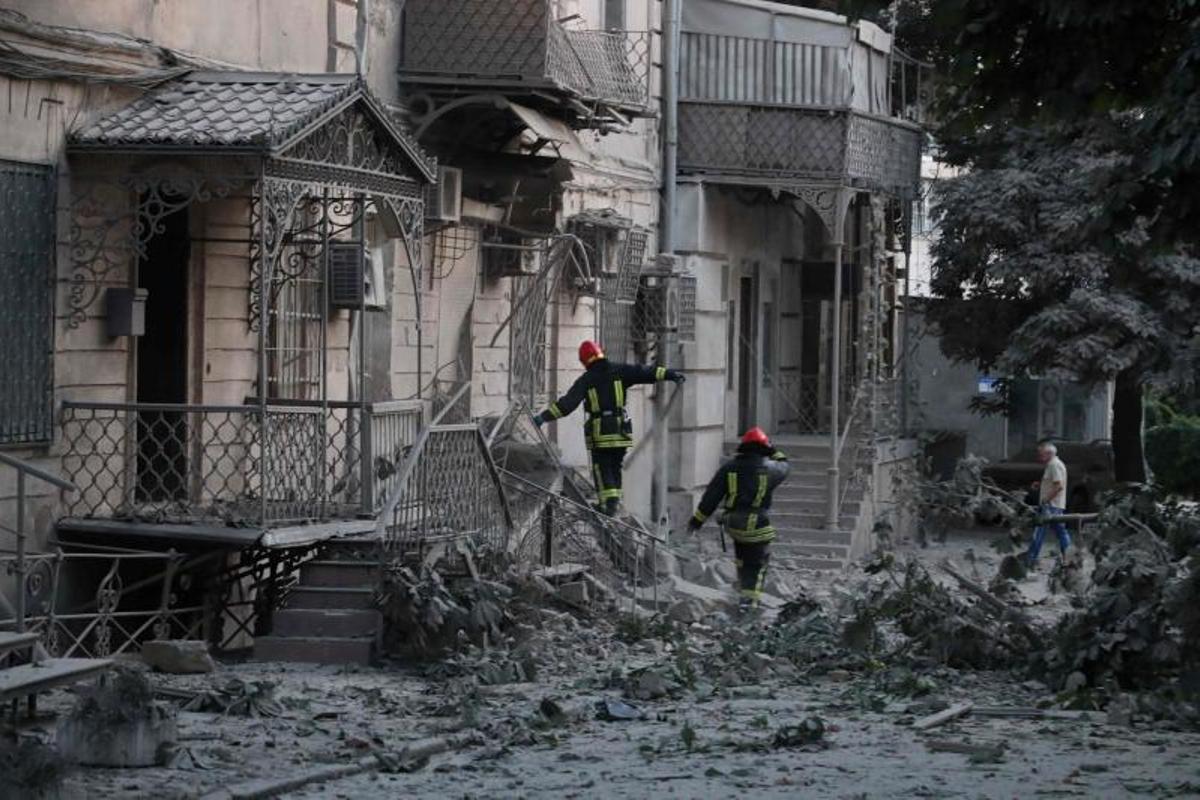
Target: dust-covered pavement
x=619, y=707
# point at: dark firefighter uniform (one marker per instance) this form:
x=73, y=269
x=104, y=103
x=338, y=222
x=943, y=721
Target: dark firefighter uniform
x=742, y=489
x=607, y=430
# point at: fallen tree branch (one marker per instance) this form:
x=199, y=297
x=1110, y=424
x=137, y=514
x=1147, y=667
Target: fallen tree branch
x=1004, y=610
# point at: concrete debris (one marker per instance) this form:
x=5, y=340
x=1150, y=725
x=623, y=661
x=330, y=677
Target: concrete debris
x=942, y=717
x=575, y=593
x=687, y=610
x=178, y=656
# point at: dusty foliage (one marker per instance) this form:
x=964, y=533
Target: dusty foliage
x=1139, y=628
x=432, y=614
x=29, y=769
x=121, y=696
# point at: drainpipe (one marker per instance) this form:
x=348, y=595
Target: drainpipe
x=835, y=372
x=666, y=242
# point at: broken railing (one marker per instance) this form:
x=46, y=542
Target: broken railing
x=620, y=559
x=447, y=489
x=95, y=604
x=236, y=465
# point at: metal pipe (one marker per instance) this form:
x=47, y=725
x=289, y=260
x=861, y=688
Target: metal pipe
x=666, y=243
x=266, y=263
x=905, y=352
x=835, y=372
x=20, y=566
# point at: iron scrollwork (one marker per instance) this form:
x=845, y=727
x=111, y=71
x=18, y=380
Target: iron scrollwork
x=111, y=223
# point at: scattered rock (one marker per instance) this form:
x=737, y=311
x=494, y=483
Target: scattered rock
x=178, y=656
x=687, y=611
x=810, y=731
x=575, y=593
x=612, y=710
x=647, y=685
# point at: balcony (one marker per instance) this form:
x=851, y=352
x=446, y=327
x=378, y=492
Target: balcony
x=766, y=112
x=517, y=48
x=234, y=466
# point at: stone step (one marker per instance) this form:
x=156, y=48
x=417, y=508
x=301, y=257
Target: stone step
x=812, y=536
x=326, y=622
x=789, y=549
x=822, y=564
x=339, y=573
x=816, y=520
x=315, y=650
x=330, y=597
x=791, y=505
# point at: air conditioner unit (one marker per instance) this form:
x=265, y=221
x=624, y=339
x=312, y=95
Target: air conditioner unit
x=443, y=199
x=508, y=258
x=667, y=304
x=346, y=283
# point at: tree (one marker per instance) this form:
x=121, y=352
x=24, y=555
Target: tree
x=1070, y=245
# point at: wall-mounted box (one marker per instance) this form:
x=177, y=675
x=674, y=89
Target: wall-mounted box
x=125, y=312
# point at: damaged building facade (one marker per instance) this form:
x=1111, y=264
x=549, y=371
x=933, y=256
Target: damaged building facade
x=296, y=277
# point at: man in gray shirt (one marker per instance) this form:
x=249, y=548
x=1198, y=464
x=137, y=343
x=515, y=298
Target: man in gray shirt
x=1052, y=501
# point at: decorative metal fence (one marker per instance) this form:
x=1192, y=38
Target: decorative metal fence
x=799, y=406
x=448, y=489
x=233, y=465
x=84, y=604
x=521, y=42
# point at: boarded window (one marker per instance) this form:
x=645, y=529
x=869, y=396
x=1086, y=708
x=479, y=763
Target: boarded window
x=26, y=302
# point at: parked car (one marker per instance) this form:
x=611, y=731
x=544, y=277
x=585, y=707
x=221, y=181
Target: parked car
x=1089, y=472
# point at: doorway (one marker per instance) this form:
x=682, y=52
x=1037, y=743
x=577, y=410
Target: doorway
x=747, y=336
x=162, y=362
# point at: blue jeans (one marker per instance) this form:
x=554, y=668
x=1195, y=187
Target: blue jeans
x=1039, y=534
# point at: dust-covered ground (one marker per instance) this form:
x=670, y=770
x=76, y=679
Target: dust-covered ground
x=622, y=708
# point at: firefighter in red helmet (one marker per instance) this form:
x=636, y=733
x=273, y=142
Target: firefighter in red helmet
x=743, y=487
x=607, y=430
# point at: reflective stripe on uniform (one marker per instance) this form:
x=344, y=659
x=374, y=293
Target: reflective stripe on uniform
x=757, y=535
x=730, y=488
x=660, y=374
x=594, y=400
x=555, y=411
x=699, y=516
x=619, y=393
x=752, y=520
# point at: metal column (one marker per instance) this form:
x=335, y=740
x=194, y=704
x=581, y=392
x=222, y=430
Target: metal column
x=666, y=244
x=835, y=372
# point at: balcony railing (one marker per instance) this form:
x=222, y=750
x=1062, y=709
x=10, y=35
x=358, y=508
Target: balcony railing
x=518, y=45
x=234, y=465
x=764, y=111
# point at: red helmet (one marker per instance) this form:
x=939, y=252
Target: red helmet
x=589, y=352
x=756, y=435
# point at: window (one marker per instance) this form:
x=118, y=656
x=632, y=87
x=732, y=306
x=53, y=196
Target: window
x=768, y=344
x=26, y=302
x=614, y=15
x=730, y=342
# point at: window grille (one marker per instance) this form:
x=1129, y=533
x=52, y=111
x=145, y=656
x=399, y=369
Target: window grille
x=26, y=302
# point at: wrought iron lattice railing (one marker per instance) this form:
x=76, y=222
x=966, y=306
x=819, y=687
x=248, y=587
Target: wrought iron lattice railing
x=234, y=465
x=520, y=43
x=799, y=144
x=799, y=406
x=448, y=489
x=105, y=612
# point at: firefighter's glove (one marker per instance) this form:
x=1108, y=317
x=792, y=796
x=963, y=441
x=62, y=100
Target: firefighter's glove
x=694, y=525
x=538, y=421
x=676, y=377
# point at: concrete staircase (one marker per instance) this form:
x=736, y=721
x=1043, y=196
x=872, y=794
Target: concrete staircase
x=799, y=508
x=329, y=615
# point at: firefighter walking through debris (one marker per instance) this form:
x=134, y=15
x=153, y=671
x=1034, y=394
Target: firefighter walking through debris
x=607, y=432
x=743, y=487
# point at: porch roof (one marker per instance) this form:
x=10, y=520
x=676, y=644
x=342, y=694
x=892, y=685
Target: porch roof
x=227, y=111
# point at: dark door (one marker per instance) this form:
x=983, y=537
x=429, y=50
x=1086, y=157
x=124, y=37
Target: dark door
x=162, y=362
x=748, y=313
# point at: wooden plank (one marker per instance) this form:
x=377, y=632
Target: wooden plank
x=29, y=679
x=16, y=641
x=942, y=717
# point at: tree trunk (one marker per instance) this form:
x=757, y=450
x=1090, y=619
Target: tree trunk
x=1128, y=454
